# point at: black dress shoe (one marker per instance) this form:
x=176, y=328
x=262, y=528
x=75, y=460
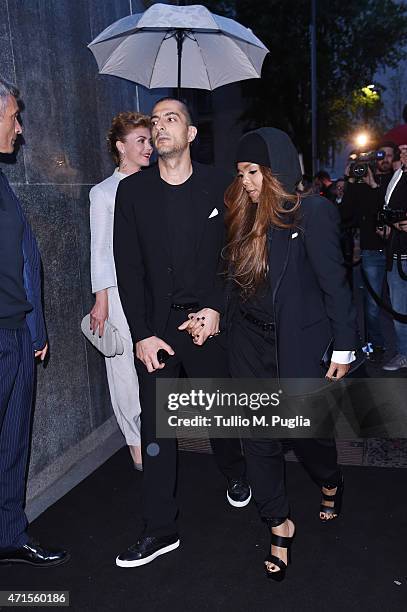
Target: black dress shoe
x=238, y=492
x=146, y=549
x=33, y=554
x=377, y=355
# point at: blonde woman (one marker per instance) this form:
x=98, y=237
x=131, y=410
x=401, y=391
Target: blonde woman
x=129, y=141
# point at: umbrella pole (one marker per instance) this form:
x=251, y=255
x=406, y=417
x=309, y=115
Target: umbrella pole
x=179, y=36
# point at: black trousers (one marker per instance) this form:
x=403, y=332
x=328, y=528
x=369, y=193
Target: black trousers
x=252, y=354
x=16, y=395
x=160, y=455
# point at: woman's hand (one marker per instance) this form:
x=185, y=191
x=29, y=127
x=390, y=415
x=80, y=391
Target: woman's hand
x=202, y=325
x=99, y=312
x=340, y=369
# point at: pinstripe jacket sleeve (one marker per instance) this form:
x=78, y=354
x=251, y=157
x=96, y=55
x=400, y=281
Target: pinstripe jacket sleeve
x=32, y=283
x=31, y=274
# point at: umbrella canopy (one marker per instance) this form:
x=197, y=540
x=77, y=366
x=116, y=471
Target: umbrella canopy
x=147, y=48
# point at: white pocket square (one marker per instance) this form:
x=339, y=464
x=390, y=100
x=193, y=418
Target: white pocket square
x=213, y=213
x=295, y=235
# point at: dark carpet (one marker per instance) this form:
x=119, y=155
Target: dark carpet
x=351, y=564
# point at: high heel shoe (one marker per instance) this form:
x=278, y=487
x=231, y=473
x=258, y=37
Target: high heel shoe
x=282, y=542
x=336, y=498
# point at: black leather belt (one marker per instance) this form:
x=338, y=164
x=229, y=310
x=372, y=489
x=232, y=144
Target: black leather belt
x=264, y=325
x=190, y=306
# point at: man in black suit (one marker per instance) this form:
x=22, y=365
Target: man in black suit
x=168, y=236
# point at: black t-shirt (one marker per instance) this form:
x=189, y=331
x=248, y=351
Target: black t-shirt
x=182, y=233
x=13, y=299
x=260, y=305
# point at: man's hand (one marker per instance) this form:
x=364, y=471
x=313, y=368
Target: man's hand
x=341, y=369
x=384, y=233
x=42, y=353
x=202, y=325
x=99, y=312
x=146, y=351
x=401, y=226
x=369, y=179
x=347, y=173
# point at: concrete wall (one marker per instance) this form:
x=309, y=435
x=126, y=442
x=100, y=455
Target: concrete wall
x=68, y=109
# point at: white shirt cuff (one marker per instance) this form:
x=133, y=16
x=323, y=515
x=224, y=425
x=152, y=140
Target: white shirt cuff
x=343, y=357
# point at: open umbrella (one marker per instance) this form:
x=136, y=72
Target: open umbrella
x=169, y=45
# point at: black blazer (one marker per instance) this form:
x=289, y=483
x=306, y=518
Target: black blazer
x=142, y=253
x=312, y=300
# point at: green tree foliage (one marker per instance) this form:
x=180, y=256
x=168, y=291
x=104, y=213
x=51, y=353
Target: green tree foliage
x=354, y=40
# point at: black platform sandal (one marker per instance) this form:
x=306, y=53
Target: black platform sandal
x=336, y=498
x=282, y=542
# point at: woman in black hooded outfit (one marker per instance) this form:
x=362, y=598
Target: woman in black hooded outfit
x=289, y=299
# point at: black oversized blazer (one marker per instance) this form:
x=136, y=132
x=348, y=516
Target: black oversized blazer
x=311, y=297
x=142, y=250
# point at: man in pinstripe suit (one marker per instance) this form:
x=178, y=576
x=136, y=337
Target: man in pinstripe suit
x=22, y=338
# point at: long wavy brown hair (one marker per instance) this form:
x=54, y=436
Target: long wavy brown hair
x=247, y=225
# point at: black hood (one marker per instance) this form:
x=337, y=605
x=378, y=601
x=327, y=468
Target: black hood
x=282, y=154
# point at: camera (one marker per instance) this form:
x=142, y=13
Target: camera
x=388, y=216
x=361, y=162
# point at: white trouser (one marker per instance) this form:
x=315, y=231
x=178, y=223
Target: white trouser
x=122, y=376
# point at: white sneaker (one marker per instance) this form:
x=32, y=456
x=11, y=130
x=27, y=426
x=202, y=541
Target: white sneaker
x=396, y=363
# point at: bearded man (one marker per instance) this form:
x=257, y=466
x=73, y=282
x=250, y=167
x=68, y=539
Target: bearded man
x=168, y=237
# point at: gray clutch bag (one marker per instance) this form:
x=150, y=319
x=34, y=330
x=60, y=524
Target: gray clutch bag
x=110, y=344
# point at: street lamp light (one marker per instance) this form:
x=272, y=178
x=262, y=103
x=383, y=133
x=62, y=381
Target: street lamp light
x=361, y=139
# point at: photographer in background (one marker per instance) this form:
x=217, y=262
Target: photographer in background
x=396, y=203
x=324, y=185
x=367, y=179
x=338, y=191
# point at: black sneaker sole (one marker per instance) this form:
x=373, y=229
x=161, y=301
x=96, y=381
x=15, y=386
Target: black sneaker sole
x=239, y=504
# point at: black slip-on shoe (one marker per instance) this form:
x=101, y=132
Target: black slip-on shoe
x=238, y=492
x=146, y=549
x=35, y=555
x=377, y=355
